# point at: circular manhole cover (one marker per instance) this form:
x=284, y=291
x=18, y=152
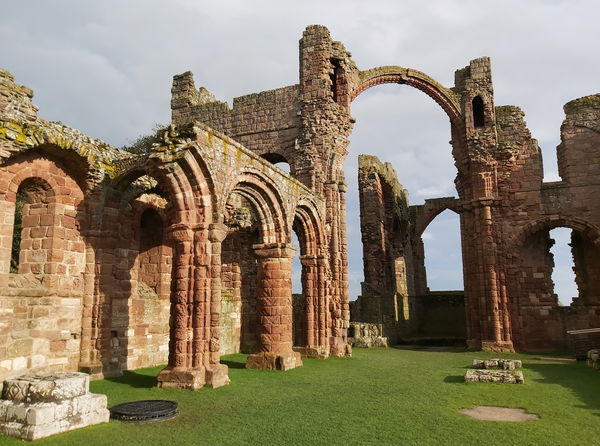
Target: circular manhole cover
x=144, y=410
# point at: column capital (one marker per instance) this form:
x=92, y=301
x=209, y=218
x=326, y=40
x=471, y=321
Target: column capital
x=274, y=250
x=217, y=232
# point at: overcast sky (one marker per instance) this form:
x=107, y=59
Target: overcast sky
x=105, y=67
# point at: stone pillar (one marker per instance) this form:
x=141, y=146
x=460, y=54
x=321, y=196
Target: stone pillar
x=185, y=369
x=274, y=308
x=309, y=291
x=339, y=307
x=216, y=373
x=314, y=290
x=90, y=361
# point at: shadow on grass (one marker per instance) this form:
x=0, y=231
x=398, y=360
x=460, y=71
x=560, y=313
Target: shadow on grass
x=134, y=379
x=454, y=379
x=431, y=348
x=580, y=380
x=233, y=364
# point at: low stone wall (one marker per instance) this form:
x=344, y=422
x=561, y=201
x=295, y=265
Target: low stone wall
x=442, y=313
x=364, y=335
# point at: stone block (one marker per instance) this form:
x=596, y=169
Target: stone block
x=274, y=361
x=217, y=376
x=505, y=364
x=181, y=378
x=36, y=406
x=45, y=387
x=495, y=376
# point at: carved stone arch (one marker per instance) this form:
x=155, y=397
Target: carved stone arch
x=308, y=221
x=539, y=321
x=268, y=204
x=443, y=96
x=399, y=75
x=590, y=231
x=431, y=209
x=310, y=313
x=280, y=156
x=189, y=201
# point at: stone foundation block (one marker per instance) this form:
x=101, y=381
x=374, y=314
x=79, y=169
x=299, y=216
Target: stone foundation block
x=504, y=364
x=36, y=406
x=217, y=375
x=274, y=361
x=181, y=378
x=494, y=376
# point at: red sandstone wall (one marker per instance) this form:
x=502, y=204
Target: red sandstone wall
x=41, y=306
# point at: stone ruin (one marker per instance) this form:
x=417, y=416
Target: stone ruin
x=365, y=335
x=486, y=370
x=39, y=405
x=112, y=261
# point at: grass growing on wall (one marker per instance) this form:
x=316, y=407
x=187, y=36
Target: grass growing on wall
x=380, y=396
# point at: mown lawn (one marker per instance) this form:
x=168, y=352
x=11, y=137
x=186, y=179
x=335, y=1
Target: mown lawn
x=379, y=396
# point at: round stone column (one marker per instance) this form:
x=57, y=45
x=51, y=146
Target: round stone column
x=274, y=309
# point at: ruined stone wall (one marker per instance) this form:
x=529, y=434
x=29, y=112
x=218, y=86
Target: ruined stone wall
x=96, y=289
x=388, y=291
x=15, y=100
x=441, y=314
x=395, y=292
x=265, y=123
x=81, y=231
x=539, y=322
x=42, y=302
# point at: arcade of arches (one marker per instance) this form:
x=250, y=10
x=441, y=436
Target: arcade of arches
x=112, y=261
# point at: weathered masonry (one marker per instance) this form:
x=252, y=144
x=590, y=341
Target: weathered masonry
x=111, y=261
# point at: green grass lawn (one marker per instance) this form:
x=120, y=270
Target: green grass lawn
x=379, y=396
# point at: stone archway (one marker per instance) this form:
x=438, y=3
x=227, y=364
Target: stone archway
x=540, y=322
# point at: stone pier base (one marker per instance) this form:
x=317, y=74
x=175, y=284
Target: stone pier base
x=181, y=378
x=217, y=375
x=320, y=352
x=40, y=405
x=274, y=361
x=193, y=379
